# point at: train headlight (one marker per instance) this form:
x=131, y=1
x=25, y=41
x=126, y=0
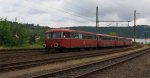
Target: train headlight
x=44, y=45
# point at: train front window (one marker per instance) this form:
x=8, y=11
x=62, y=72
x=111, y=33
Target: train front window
x=48, y=35
x=56, y=35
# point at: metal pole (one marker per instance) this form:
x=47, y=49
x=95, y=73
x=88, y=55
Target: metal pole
x=117, y=29
x=145, y=37
x=128, y=23
x=134, y=25
x=97, y=21
x=15, y=19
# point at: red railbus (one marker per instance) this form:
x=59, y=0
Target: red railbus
x=67, y=39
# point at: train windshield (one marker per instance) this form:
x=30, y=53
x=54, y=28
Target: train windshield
x=53, y=35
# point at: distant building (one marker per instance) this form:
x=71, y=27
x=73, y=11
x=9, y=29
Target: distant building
x=142, y=40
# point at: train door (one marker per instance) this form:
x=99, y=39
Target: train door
x=75, y=41
x=116, y=41
x=67, y=39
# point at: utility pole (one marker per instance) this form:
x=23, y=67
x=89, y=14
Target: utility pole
x=97, y=21
x=134, y=25
x=117, y=29
x=145, y=36
x=15, y=19
x=128, y=23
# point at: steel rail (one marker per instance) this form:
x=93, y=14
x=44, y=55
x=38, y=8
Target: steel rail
x=20, y=65
x=84, y=75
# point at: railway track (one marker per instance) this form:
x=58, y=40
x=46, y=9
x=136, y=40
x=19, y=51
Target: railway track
x=85, y=70
x=115, y=61
x=57, y=58
x=12, y=53
x=21, y=50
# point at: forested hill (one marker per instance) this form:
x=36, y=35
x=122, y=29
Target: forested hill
x=121, y=31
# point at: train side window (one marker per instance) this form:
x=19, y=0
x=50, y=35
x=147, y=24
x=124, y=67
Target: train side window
x=111, y=38
x=66, y=34
x=89, y=36
x=102, y=38
x=74, y=35
x=99, y=38
x=107, y=38
x=84, y=36
x=80, y=36
x=94, y=37
x=117, y=39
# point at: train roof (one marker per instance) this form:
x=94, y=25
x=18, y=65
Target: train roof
x=111, y=36
x=69, y=30
x=105, y=35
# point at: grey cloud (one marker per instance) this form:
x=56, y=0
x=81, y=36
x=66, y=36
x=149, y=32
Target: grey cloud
x=81, y=7
x=35, y=11
x=108, y=10
x=124, y=9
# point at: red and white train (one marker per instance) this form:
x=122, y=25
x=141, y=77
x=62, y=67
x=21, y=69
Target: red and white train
x=67, y=39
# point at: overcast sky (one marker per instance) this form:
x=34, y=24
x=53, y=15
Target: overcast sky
x=66, y=13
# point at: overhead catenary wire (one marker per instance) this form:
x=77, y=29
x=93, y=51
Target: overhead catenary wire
x=69, y=13
x=82, y=8
x=72, y=13
x=83, y=15
x=86, y=18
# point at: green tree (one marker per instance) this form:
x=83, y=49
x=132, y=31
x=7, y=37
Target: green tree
x=113, y=33
x=11, y=34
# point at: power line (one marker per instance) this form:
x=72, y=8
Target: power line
x=77, y=12
x=114, y=21
x=83, y=9
x=64, y=11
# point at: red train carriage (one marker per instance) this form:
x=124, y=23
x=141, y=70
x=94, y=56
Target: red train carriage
x=120, y=41
x=66, y=38
x=112, y=41
x=128, y=42
x=105, y=40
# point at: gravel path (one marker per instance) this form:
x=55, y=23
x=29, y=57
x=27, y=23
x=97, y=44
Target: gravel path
x=135, y=68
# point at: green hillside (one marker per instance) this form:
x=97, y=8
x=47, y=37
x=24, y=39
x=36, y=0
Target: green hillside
x=121, y=31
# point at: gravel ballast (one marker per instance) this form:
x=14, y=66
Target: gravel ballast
x=44, y=69
x=135, y=68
